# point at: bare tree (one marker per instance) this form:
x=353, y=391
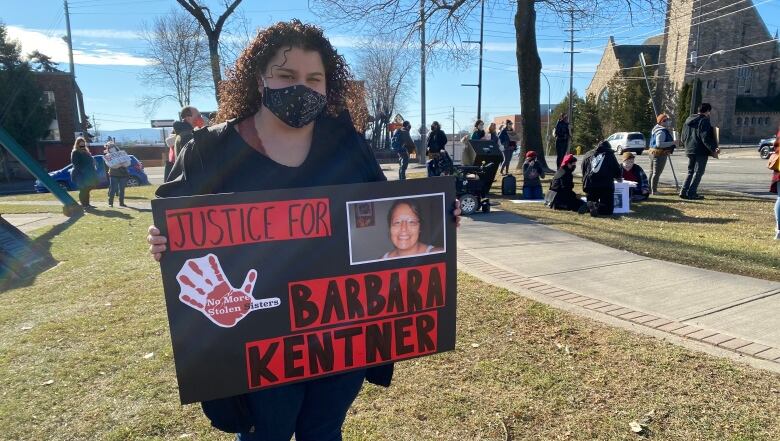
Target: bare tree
x=177, y=50
x=213, y=30
x=386, y=71
x=447, y=20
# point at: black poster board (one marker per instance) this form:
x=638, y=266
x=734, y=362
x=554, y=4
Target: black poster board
x=276, y=287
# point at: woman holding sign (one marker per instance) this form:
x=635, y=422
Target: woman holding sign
x=284, y=125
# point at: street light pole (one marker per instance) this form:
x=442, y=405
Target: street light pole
x=695, y=88
x=549, y=104
x=481, y=44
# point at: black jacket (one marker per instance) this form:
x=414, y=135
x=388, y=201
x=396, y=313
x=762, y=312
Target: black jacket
x=698, y=135
x=183, y=131
x=600, y=169
x=437, y=140
x=563, y=184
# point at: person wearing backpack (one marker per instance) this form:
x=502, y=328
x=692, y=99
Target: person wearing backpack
x=533, y=172
x=283, y=124
x=698, y=135
x=661, y=146
x=401, y=143
x=600, y=170
x=437, y=141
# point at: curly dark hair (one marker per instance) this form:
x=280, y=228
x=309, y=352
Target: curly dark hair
x=239, y=93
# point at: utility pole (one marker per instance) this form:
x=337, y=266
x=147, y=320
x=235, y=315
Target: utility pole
x=453, y=133
x=420, y=155
x=571, y=53
x=76, y=113
x=694, y=57
x=481, y=45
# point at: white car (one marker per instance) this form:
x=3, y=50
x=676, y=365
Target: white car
x=627, y=142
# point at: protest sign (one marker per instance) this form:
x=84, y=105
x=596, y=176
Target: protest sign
x=276, y=287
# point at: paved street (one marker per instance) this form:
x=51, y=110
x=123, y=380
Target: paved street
x=739, y=170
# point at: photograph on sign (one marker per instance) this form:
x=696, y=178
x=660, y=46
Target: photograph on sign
x=283, y=286
x=407, y=227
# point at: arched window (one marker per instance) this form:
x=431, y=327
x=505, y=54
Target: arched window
x=753, y=121
x=766, y=120
x=739, y=120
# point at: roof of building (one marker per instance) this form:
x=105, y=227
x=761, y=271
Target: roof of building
x=656, y=40
x=628, y=54
x=758, y=104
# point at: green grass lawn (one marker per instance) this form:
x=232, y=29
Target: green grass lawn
x=85, y=354
x=725, y=232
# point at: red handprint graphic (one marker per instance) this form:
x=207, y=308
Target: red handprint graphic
x=205, y=288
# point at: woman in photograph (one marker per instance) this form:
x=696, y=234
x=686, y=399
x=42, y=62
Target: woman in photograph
x=84, y=174
x=283, y=124
x=404, y=222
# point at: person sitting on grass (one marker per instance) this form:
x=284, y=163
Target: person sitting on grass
x=633, y=172
x=561, y=195
x=533, y=172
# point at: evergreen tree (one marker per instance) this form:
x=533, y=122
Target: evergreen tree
x=24, y=113
x=587, y=127
x=627, y=106
x=683, y=106
x=42, y=62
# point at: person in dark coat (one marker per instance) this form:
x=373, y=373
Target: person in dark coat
x=533, y=172
x=437, y=154
x=402, y=143
x=479, y=131
x=281, y=131
x=84, y=173
x=562, y=195
x=698, y=136
x=507, y=144
x=562, y=135
x=600, y=170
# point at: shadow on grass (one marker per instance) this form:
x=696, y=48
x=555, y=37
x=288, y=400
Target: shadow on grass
x=41, y=246
x=140, y=210
x=664, y=213
x=109, y=214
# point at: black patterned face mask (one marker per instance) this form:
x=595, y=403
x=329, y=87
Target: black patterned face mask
x=296, y=105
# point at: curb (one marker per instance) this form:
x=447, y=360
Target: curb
x=491, y=273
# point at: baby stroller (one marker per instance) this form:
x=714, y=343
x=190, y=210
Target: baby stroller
x=476, y=176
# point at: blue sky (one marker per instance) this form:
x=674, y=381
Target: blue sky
x=108, y=60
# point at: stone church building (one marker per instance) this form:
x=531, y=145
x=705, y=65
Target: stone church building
x=742, y=83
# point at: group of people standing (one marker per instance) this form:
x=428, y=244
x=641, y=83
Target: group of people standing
x=85, y=174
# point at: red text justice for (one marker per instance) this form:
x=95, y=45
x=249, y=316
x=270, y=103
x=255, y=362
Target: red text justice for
x=238, y=224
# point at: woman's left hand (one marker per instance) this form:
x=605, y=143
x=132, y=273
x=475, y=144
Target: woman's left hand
x=456, y=212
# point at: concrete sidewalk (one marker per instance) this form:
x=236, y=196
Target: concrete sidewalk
x=710, y=309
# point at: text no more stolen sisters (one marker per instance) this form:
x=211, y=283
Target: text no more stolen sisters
x=276, y=287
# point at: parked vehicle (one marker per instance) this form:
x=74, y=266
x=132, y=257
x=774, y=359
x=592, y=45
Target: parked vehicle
x=62, y=176
x=766, y=147
x=627, y=142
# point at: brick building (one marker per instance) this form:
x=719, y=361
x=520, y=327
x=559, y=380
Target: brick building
x=741, y=84
x=69, y=118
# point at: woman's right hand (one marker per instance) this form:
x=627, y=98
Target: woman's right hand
x=157, y=242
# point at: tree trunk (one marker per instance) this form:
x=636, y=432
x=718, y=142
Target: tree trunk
x=216, y=71
x=529, y=68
